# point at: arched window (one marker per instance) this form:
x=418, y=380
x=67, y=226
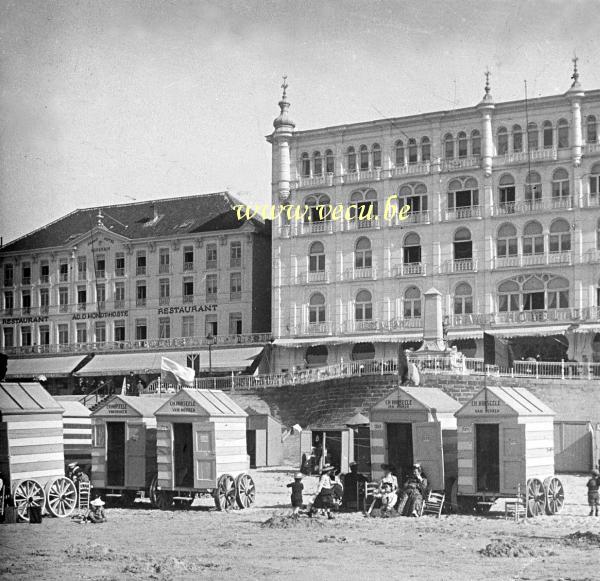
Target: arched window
x=412, y=248
x=399, y=153
x=351, y=159
x=560, y=236
x=463, y=245
x=316, y=355
x=413, y=154
x=364, y=158
x=506, y=190
x=415, y=196
x=316, y=309
x=317, y=164
x=305, y=166
x=557, y=293
x=508, y=296
x=362, y=352
x=463, y=299
x=592, y=132
x=363, y=256
x=533, y=187
x=318, y=208
x=595, y=182
x=502, y=141
x=548, y=134
x=363, y=307
x=517, y=136
x=560, y=183
x=316, y=257
x=532, y=137
x=463, y=144
x=506, y=244
x=412, y=303
x=533, y=294
x=376, y=149
x=475, y=143
x=563, y=133
x=364, y=207
x=533, y=238
x=463, y=196
x=329, y=161
x=425, y=149
x=448, y=146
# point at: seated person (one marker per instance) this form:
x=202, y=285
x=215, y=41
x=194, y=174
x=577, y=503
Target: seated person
x=414, y=490
x=96, y=513
x=388, y=498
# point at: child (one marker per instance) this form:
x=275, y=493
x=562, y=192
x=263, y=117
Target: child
x=593, y=496
x=297, y=488
x=96, y=513
x=388, y=498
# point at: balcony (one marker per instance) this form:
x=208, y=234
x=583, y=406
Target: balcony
x=26, y=280
x=211, y=264
x=315, y=181
x=81, y=307
x=140, y=271
x=140, y=302
x=409, y=269
x=63, y=277
x=525, y=156
x=164, y=268
x=592, y=256
x=44, y=279
x=100, y=274
x=101, y=305
x=423, y=217
x=188, y=266
x=211, y=297
x=411, y=169
x=592, y=200
x=320, y=276
x=460, y=163
x=162, y=301
x=533, y=206
x=63, y=308
x=235, y=296
x=462, y=213
x=9, y=282
x=323, y=328
x=592, y=149
x=364, y=175
x=526, y=260
x=119, y=272
x=460, y=265
x=119, y=303
x=188, y=298
x=235, y=262
x=366, y=223
x=369, y=273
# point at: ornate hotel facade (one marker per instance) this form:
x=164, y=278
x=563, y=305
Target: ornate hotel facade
x=504, y=223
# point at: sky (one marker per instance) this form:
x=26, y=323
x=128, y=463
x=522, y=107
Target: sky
x=111, y=101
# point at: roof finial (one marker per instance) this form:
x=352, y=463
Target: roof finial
x=575, y=75
x=99, y=217
x=487, y=81
x=284, y=86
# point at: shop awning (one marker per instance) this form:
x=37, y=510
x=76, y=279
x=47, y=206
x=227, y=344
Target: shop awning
x=466, y=334
x=236, y=359
x=587, y=328
x=395, y=338
x=47, y=366
x=533, y=331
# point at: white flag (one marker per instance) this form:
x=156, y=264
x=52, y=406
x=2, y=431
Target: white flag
x=124, y=387
x=175, y=373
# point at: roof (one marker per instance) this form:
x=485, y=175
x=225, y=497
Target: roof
x=22, y=398
x=517, y=401
x=48, y=366
x=74, y=409
x=211, y=402
x=357, y=420
x=175, y=216
x=144, y=406
x=429, y=398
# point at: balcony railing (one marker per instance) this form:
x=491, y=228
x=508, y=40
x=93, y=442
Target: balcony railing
x=211, y=264
x=365, y=175
x=592, y=200
x=460, y=163
x=521, y=260
x=593, y=255
x=9, y=282
x=44, y=278
x=409, y=269
x=361, y=224
x=187, y=266
x=463, y=213
x=461, y=265
x=312, y=181
x=524, y=156
x=140, y=271
x=140, y=302
x=359, y=273
x=63, y=277
x=164, y=268
x=235, y=296
x=119, y=303
x=119, y=272
x=423, y=168
x=81, y=307
x=325, y=226
x=100, y=274
x=423, y=217
x=26, y=280
x=188, y=298
x=162, y=301
x=593, y=148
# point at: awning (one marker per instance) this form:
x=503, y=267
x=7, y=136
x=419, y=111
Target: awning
x=586, y=328
x=47, y=366
x=395, y=338
x=466, y=334
x=236, y=359
x=533, y=331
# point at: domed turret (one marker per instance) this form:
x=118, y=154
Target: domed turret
x=283, y=120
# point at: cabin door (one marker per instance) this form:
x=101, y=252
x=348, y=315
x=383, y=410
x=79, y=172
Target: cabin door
x=115, y=453
x=400, y=448
x=205, y=462
x=135, y=452
x=487, y=454
x=251, y=447
x=183, y=455
x=428, y=451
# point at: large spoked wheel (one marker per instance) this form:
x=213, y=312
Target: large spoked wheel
x=555, y=495
x=61, y=496
x=28, y=493
x=536, y=497
x=245, y=491
x=225, y=492
x=153, y=491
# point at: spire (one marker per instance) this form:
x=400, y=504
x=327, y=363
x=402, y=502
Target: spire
x=283, y=119
x=575, y=75
x=487, y=98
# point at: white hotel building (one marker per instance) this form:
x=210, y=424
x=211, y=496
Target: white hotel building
x=505, y=224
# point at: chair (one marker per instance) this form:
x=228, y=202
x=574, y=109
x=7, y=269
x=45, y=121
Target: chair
x=515, y=509
x=83, y=498
x=434, y=503
x=370, y=491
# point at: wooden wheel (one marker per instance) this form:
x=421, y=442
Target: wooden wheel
x=61, y=496
x=536, y=497
x=28, y=493
x=225, y=492
x=164, y=500
x=153, y=491
x=245, y=491
x=555, y=495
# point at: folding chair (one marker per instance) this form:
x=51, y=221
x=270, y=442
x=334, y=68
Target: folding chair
x=434, y=503
x=83, y=498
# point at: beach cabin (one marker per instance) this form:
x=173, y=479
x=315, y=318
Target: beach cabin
x=415, y=425
x=124, y=446
x=263, y=437
x=77, y=433
x=328, y=445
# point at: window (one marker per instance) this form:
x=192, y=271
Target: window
x=533, y=239
x=463, y=196
x=517, y=138
x=8, y=275
x=119, y=295
x=475, y=143
x=502, y=141
x=100, y=332
x=63, y=334
x=187, y=326
x=413, y=151
x=211, y=256
x=329, y=161
x=119, y=264
x=164, y=291
x=188, y=258
x=425, y=149
x=164, y=328
x=235, y=323
x=415, y=196
x=351, y=159
x=595, y=181
x=211, y=326
x=44, y=272
x=363, y=207
x=63, y=299
x=140, y=268
x=412, y=303
x=316, y=355
x=591, y=129
x=558, y=293
x=463, y=150
x=316, y=257
x=363, y=308
x=506, y=243
x=81, y=333
x=235, y=255
x=560, y=183
x=547, y=134
x=81, y=268
x=305, y=165
x=399, y=148
x=44, y=300
x=508, y=297
x=463, y=245
x=63, y=270
x=563, y=133
x=448, y=146
x=211, y=286
x=26, y=301
x=507, y=193
x=364, y=158
x=560, y=236
x=317, y=164
x=120, y=331
x=463, y=299
x=81, y=298
x=26, y=273
x=235, y=286
x=26, y=336
x=164, y=261
x=140, y=293
x=101, y=295
x=188, y=290
x=376, y=152
x=532, y=137
x=412, y=248
x=362, y=254
x=9, y=301
x=316, y=309
x=100, y=266
x=9, y=337
x=533, y=187
x=141, y=330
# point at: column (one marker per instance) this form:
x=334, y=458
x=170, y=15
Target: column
x=576, y=133
x=487, y=145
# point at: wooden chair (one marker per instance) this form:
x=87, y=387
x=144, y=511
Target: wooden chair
x=515, y=509
x=434, y=503
x=370, y=491
x=83, y=498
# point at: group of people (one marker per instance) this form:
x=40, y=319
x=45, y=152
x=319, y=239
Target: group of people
x=328, y=496
x=406, y=500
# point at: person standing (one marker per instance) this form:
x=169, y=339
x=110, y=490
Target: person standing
x=593, y=485
x=324, y=496
x=297, y=488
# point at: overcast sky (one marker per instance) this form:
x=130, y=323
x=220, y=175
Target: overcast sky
x=104, y=102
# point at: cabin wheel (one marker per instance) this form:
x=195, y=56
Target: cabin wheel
x=536, y=497
x=555, y=495
x=61, y=496
x=245, y=491
x=225, y=492
x=28, y=493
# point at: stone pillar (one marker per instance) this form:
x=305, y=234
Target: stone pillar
x=432, y=316
x=486, y=106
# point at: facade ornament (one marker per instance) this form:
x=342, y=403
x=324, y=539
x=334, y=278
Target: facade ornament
x=52, y=257
x=128, y=248
x=199, y=242
x=152, y=246
x=176, y=244
x=223, y=240
x=575, y=75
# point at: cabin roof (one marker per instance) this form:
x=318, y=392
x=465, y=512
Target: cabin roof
x=26, y=397
x=213, y=402
x=518, y=399
x=430, y=398
x=144, y=406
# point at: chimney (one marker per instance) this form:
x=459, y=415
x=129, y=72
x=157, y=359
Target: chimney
x=154, y=212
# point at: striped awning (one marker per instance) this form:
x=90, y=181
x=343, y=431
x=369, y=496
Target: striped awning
x=48, y=366
x=465, y=334
x=531, y=331
x=395, y=338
